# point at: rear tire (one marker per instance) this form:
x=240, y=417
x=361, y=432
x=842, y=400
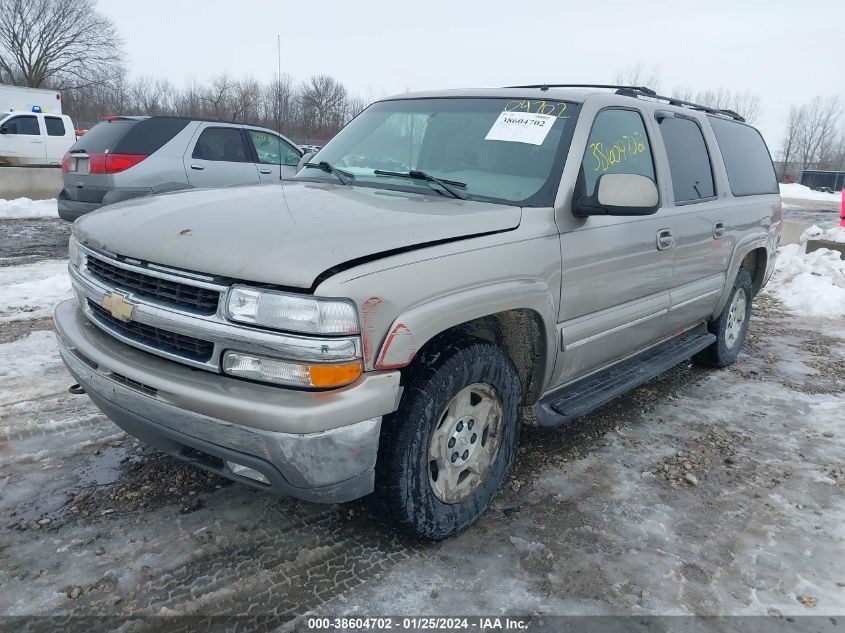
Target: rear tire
x=731, y=325
x=446, y=451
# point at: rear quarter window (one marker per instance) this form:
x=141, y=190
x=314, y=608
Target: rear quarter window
x=747, y=159
x=103, y=137
x=150, y=135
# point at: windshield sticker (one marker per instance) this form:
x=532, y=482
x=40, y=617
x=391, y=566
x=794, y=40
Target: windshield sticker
x=521, y=127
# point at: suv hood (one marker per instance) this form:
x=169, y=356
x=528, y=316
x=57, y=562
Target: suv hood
x=283, y=234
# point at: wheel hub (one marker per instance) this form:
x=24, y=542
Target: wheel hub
x=465, y=442
x=736, y=318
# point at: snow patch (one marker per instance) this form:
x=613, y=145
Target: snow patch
x=809, y=283
x=833, y=234
x=33, y=290
x=800, y=192
x=26, y=209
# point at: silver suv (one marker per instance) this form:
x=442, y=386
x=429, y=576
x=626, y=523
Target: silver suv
x=127, y=157
x=378, y=323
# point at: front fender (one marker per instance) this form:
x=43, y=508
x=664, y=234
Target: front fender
x=416, y=326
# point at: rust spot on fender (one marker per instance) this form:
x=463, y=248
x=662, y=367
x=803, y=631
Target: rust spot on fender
x=368, y=309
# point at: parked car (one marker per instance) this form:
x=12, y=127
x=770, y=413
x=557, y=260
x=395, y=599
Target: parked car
x=125, y=157
x=376, y=325
x=34, y=139
x=310, y=148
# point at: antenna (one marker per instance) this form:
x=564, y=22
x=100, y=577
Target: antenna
x=279, y=99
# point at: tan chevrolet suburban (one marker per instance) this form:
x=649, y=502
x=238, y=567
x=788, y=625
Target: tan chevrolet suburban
x=377, y=324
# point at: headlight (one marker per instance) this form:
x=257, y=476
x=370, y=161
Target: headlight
x=274, y=370
x=75, y=255
x=294, y=313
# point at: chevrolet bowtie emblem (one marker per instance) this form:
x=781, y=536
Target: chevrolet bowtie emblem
x=119, y=307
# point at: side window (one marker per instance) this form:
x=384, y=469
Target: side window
x=221, y=144
x=689, y=162
x=618, y=144
x=55, y=126
x=272, y=150
x=747, y=159
x=22, y=125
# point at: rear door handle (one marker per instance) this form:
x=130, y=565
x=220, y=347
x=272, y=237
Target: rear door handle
x=197, y=167
x=718, y=230
x=665, y=240
x=266, y=171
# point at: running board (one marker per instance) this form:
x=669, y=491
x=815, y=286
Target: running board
x=582, y=396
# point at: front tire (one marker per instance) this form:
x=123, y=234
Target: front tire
x=731, y=325
x=446, y=451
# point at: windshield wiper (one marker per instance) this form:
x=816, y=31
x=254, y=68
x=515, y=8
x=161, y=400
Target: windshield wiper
x=343, y=176
x=448, y=185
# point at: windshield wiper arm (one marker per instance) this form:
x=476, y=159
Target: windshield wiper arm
x=343, y=176
x=448, y=185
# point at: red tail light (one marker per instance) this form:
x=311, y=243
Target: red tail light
x=66, y=163
x=112, y=163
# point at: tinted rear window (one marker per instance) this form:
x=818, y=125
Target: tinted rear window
x=150, y=135
x=130, y=137
x=689, y=162
x=747, y=159
x=103, y=137
x=55, y=126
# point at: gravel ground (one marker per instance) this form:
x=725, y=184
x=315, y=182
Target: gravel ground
x=702, y=492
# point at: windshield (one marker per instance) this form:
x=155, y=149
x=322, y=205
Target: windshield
x=493, y=150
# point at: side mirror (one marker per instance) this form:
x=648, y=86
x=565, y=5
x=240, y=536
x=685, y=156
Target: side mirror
x=619, y=194
x=3, y=130
x=305, y=158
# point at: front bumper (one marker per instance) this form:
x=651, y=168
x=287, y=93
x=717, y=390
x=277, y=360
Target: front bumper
x=318, y=446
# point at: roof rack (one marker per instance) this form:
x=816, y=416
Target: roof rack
x=642, y=89
x=648, y=93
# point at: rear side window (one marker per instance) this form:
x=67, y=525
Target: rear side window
x=618, y=144
x=221, y=144
x=27, y=125
x=747, y=159
x=150, y=135
x=103, y=137
x=55, y=126
x=689, y=162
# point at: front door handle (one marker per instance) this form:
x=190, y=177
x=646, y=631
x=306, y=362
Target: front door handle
x=266, y=172
x=665, y=240
x=197, y=167
x=718, y=230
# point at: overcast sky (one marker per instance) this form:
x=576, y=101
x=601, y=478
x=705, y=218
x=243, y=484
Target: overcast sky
x=785, y=51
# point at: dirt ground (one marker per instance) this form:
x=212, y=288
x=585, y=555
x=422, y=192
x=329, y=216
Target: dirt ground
x=702, y=492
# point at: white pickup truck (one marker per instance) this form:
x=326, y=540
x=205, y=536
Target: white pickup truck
x=31, y=139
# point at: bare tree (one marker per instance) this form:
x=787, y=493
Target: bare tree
x=325, y=97
x=57, y=43
x=789, y=145
x=746, y=104
x=820, y=128
x=638, y=75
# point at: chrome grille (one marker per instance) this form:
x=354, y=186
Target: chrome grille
x=163, y=340
x=201, y=300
